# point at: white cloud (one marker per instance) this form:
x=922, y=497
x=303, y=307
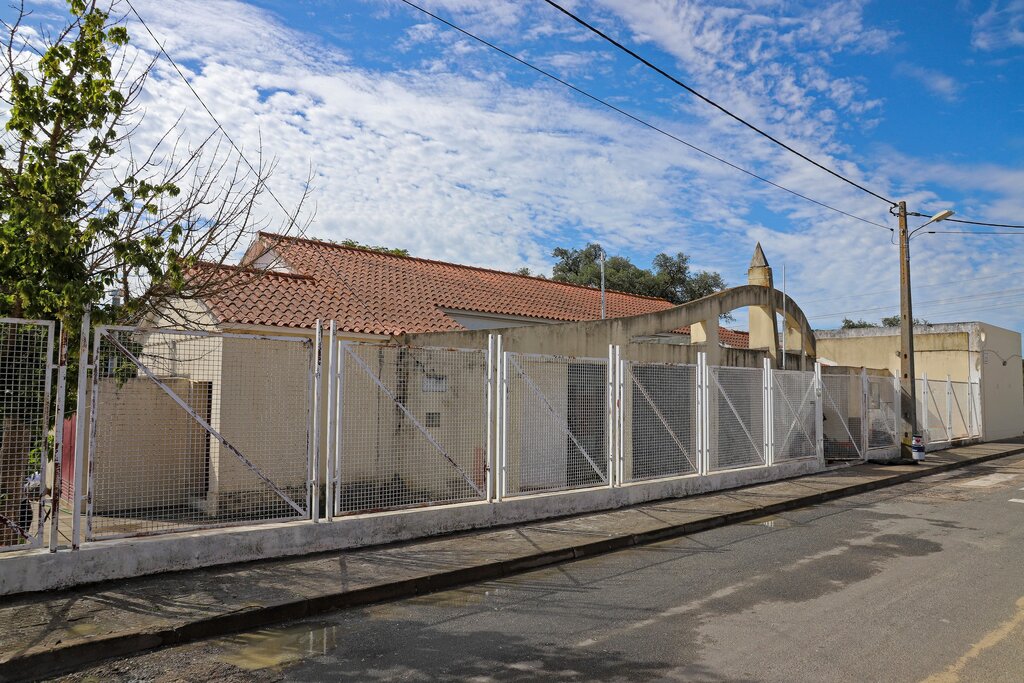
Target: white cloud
x=453, y=159
x=999, y=27
x=936, y=82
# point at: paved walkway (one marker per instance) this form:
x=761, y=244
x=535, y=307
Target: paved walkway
x=47, y=633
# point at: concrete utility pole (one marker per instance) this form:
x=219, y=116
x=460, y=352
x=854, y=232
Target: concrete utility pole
x=908, y=393
x=908, y=383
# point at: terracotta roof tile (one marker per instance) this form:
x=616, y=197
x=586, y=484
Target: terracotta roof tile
x=377, y=293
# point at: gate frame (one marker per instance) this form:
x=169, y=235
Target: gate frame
x=36, y=540
x=344, y=348
x=608, y=480
x=101, y=331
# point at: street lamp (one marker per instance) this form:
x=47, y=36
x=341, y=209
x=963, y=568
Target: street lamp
x=908, y=393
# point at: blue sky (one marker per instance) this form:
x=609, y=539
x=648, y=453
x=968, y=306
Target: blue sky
x=423, y=139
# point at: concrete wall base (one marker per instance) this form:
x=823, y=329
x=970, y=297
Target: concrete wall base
x=40, y=570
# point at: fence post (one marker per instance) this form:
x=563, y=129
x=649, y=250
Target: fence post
x=58, y=439
x=500, y=484
x=768, y=412
x=896, y=389
x=926, y=401
x=702, y=421
x=80, y=455
x=621, y=409
x=819, y=412
x=332, y=418
x=313, y=455
x=612, y=413
x=865, y=412
x=949, y=409
x=488, y=456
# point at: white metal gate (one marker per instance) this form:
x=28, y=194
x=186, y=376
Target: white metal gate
x=409, y=427
x=26, y=365
x=842, y=405
x=556, y=421
x=195, y=429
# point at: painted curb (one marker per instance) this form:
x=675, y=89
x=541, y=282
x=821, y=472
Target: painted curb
x=39, y=662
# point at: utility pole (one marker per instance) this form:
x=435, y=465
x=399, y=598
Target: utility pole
x=908, y=393
x=604, y=308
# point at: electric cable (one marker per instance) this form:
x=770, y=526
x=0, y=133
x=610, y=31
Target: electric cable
x=635, y=118
x=714, y=104
x=291, y=220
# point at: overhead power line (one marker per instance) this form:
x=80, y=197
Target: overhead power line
x=241, y=154
x=635, y=118
x=714, y=104
x=967, y=222
x=946, y=301
x=918, y=286
x=975, y=232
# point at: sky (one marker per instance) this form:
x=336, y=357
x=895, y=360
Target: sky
x=420, y=138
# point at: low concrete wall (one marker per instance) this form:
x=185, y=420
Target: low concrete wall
x=39, y=570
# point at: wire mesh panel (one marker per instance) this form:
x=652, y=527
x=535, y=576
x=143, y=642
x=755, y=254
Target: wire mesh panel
x=937, y=414
x=193, y=429
x=960, y=428
x=660, y=420
x=413, y=427
x=794, y=415
x=841, y=408
x=736, y=417
x=556, y=425
x=882, y=413
x=25, y=349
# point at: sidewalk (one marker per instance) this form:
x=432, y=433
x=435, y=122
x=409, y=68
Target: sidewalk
x=43, y=634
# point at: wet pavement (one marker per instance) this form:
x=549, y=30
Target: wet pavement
x=918, y=582
x=71, y=628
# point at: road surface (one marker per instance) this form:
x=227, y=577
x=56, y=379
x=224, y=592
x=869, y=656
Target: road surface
x=919, y=582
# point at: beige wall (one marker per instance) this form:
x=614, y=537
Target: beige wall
x=149, y=452
x=965, y=352
x=1002, y=398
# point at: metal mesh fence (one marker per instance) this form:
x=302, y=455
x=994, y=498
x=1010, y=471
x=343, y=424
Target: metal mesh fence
x=794, y=415
x=660, y=409
x=736, y=417
x=841, y=408
x=883, y=412
x=413, y=427
x=194, y=429
x=960, y=428
x=556, y=423
x=25, y=349
x=936, y=407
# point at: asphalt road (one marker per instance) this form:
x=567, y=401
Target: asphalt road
x=920, y=582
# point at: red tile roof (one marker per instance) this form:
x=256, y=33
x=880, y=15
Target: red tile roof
x=377, y=293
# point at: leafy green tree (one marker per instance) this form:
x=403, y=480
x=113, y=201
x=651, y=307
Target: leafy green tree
x=84, y=212
x=383, y=250
x=670, y=278
x=896, y=321
x=849, y=324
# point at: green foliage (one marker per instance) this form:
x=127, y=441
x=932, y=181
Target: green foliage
x=889, y=321
x=368, y=247
x=896, y=321
x=57, y=203
x=670, y=278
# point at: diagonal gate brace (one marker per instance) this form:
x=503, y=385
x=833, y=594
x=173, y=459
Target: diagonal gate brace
x=204, y=424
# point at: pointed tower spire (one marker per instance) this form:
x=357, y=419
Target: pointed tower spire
x=759, y=261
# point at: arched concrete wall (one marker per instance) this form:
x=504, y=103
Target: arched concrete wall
x=591, y=338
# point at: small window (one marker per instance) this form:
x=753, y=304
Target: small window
x=434, y=384
x=433, y=419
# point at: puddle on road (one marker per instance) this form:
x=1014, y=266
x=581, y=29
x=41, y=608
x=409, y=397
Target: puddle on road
x=771, y=522
x=274, y=647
